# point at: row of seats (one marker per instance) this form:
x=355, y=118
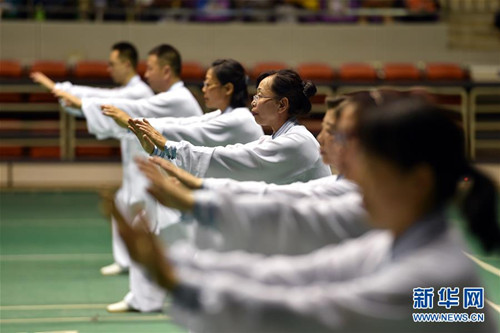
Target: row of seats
x=193, y=71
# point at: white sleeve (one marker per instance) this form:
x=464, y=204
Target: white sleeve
x=156, y=106
x=266, y=160
x=319, y=188
x=136, y=91
x=287, y=294
x=276, y=224
x=163, y=123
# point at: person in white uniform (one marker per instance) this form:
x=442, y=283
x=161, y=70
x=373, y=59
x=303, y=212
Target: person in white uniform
x=281, y=97
x=276, y=219
x=174, y=100
x=366, y=284
x=123, y=61
x=122, y=68
x=224, y=89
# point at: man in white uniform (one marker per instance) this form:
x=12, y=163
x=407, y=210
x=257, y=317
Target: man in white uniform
x=173, y=100
x=122, y=67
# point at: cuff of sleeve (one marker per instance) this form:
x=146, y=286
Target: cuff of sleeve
x=204, y=207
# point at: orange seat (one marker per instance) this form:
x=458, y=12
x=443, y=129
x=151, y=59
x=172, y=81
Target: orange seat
x=141, y=68
x=312, y=124
x=192, y=71
x=10, y=69
x=42, y=98
x=11, y=152
x=316, y=71
x=94, y=151
x=45, y=152
x=400, y=71
x=444, y=71
x=262, y=67
x=357, y=72
x=91, y=70
x=10, y=98
x=53, y=69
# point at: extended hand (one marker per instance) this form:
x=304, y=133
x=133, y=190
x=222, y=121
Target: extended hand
x=41, y=78
x=69, y=100
x=145, y=141
x=118, y=115
x=155, y=136
x=189, y=180
x=167, y=190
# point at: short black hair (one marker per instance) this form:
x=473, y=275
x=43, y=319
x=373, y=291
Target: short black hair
x=168, y=55
x=127, y=51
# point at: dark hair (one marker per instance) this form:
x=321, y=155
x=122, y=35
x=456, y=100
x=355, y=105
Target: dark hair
x=231, y=71
x=410, y=132
x=168, y=55
x=127, y=51
x=360, y=100
x=334, y=102
x=287, y=83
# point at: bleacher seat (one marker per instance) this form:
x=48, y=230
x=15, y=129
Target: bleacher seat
x=10, y=152
x=53, y=69
x=316, y=71
x=91, y=70
x=400, y=71
x=444, y=71
x=141, y=68
x=45, y=152
x=266, y=66
x=357, y=72
x=10, y=69
x=192, y=71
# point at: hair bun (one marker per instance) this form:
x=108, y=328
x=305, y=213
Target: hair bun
x=309, y=88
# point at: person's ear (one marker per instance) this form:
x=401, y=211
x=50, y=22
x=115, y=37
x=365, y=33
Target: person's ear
x=229, y=89
x=166, y=72
x=283, y=105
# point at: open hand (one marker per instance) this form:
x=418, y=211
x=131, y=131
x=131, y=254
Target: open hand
x=41, y=78
x=118, y=115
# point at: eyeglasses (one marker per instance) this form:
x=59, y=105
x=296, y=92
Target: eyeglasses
x=257, y=97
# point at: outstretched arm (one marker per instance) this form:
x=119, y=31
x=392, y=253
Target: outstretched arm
x=68, y=98
x=42, y=79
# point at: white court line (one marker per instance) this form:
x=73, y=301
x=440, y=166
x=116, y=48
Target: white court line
x=52, y=307
x=52, y=257
x=482, y=264
x=40, y=307
x=159, y=317
x=495, y=307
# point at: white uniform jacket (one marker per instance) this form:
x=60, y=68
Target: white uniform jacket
x=361, y=285
x=280, y=224
x=175, y=102
x=318, y=188
x=134, y=89
x=289, y=157
x=213, y=129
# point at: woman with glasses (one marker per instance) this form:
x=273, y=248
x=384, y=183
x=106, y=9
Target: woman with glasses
x=414, y=264
x=289, y=154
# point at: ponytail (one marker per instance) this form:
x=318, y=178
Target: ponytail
x=479, y=207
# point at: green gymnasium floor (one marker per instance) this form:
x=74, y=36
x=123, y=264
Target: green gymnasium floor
x=51, y=247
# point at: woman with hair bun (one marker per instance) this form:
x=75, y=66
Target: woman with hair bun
x=290, y=154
